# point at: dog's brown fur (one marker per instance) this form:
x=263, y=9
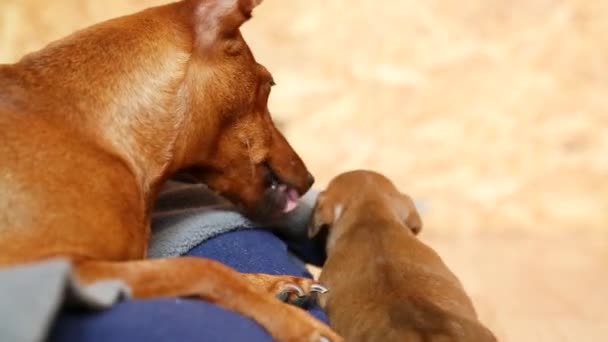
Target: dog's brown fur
x=385, y=284
x=92, y=125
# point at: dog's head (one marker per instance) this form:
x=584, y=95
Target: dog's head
x=234, y=146
x=363, y=194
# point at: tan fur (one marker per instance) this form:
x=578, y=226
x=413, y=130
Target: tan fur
x=93, y=124
x=385, y=284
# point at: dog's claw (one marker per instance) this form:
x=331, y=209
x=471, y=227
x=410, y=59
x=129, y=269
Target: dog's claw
x=324, y=339
x=289, y=291
x=294, y=288
x=318, y=288
x=296, y=295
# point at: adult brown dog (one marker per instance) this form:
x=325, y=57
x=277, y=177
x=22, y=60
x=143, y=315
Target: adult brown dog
x=385, y=284
x=92, y=125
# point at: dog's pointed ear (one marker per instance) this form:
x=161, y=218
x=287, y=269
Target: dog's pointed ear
x=322, y=217
x=409, y=214
x=220, y=19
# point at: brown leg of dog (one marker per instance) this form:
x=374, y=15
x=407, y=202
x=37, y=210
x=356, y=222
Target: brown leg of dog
x=215, y=283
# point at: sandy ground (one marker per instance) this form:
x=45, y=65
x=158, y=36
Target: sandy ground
x=492, y=114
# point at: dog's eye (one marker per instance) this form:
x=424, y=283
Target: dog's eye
x=272, y=82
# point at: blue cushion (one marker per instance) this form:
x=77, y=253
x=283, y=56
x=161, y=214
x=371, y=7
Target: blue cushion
x=177, y=319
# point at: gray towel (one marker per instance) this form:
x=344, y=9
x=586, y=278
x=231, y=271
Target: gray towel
x=31, y=295
x=185, y=215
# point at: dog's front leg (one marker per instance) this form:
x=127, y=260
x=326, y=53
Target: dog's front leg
x=215, y=283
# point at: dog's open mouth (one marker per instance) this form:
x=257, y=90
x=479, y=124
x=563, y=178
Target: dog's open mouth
x=280, y=195
x=278, y=199
x=287, y=197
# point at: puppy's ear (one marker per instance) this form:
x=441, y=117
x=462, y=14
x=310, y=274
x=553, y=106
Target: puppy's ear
x=322, y=217
x=407, y=210
x=219, y=19
x=414, y=222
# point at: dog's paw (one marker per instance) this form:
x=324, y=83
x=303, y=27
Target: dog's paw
x=296, y=295
x=298, y=291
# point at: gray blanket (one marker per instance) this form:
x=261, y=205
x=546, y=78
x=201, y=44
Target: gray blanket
x=185, y=215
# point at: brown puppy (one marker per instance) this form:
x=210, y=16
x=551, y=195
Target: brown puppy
x=93, y=124
x=385, y=284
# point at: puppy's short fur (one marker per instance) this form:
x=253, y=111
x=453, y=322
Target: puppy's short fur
x=385, y=284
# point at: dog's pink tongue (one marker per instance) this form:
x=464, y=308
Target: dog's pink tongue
x=292, y=200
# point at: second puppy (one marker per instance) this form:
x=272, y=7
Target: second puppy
x=385, y=284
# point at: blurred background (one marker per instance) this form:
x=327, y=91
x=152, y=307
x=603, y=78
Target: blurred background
x=492, y=114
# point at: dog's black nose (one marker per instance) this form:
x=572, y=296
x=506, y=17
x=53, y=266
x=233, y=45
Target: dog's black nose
x=310, y=180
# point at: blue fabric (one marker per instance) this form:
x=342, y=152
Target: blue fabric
x=177, y=319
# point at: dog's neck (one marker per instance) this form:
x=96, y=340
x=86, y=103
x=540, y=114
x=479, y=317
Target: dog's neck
x=117, y=90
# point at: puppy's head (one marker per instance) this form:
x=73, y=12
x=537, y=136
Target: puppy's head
x=361, y=194
x=233, y=144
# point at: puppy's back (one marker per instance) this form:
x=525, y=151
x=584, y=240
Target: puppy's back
x=406, y=320
x=388, y=286
x=385, y=284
